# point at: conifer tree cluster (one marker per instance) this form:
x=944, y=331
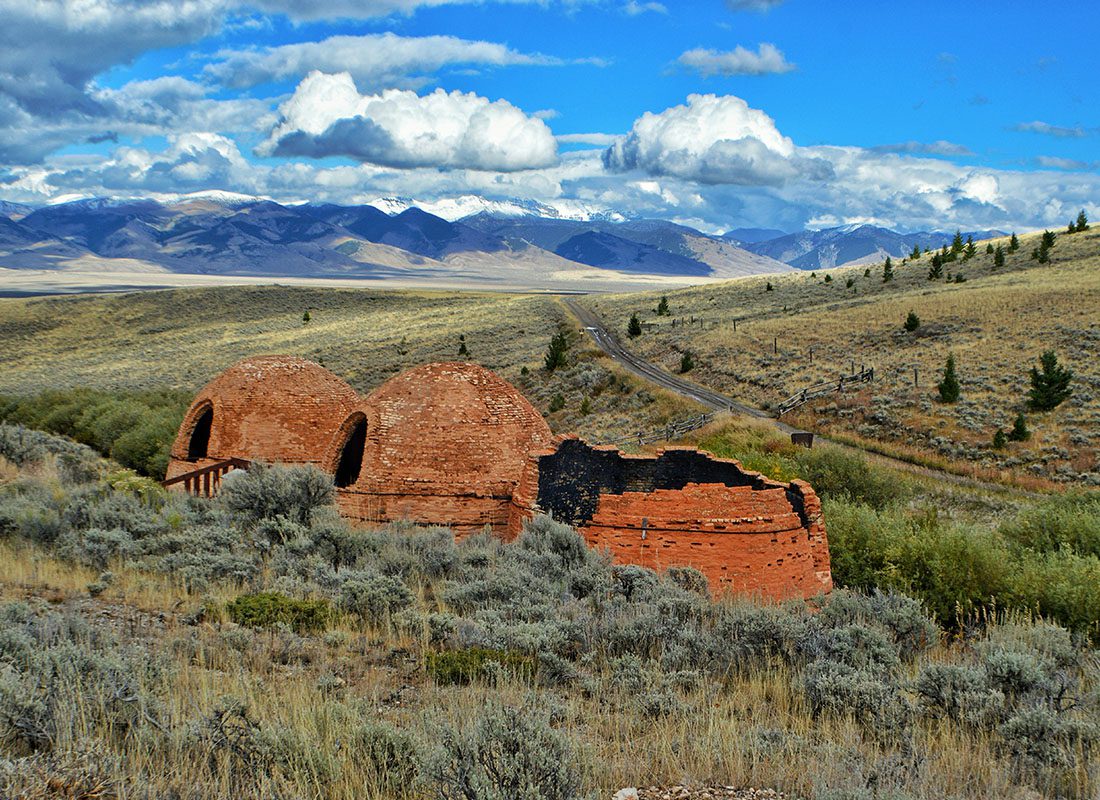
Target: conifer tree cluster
x=1046, y=244
x=1081, y=225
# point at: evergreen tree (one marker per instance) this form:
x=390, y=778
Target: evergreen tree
x=1013, y=244
x=662, y=308
x=555, y=353
x=999, y=440
x=998, y=257
x=828, y=278
x=634, y=328
x=1019, y=432
x=1082, y=222
x=887, y=270
x=867, y=273
x=687, y=363
x=935, y=272
x=970, y=250
x=1071, y=228
x=462, y=349
x=769, y=287
x=916, y=253
x=989, y=248
x=1048, y=239
x=306, y=317
x=1050, y=387
x=850, y=282
x=957, y=243
x=912, y=322
x=949, y=386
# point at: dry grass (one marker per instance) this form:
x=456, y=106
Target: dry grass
x=997, y=324
x=754, y=730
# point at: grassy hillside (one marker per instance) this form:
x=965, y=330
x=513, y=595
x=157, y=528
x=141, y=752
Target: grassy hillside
x=997, y=324
x=61, y=357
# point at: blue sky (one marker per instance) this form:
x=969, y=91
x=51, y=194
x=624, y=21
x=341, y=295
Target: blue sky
x=804, y=113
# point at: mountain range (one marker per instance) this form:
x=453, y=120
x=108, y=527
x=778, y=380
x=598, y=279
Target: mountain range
x=517, y=242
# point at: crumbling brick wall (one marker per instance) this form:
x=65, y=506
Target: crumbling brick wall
x=682, y=507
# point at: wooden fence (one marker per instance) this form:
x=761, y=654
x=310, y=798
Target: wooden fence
x=207, y=481
x=826, y=388
x=673, y=430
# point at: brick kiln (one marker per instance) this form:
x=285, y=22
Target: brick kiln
x=454, y=444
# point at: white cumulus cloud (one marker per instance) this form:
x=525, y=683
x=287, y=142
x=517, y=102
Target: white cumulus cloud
x=327, y=116
x=767, y=60
x=712, y=140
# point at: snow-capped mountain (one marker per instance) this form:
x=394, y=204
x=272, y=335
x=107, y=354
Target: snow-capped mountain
x=458, y=208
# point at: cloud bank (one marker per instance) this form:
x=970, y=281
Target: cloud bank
x=444, y=130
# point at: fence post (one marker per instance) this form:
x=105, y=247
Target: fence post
x=775, y=345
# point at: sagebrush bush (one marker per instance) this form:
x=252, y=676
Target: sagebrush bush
x=504, y=754
x=265, y=493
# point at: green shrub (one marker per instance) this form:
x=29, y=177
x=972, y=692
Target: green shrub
x=1064, y=522
x=836, y=474
x=266, y=609
x=461, y=667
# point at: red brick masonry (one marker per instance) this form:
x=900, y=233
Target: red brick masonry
x=454, y=444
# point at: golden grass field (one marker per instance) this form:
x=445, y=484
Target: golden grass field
x=997, y=324
x=181, y=338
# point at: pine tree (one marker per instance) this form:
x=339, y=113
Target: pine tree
x=912, y=322
x=957, y=243
x=769, y=287
x=662, y=308
x=1048, y=239
x=935, y=272
x=998, y=257
x=1019, y=432
x=634, y=328
x=887, y=270
x=916, y=253
x=306, y=317
x=989, y=248
x=949, y=386
x=999, y=440
x=970, y=250
x=867, y=273
x=828, y=278
x=1071, y=228
x=687, y=363
x=1013, y=244
x=462, y=349
x=850, y=282
x=1050, y=387
x=1082, y=222
x=555, y=353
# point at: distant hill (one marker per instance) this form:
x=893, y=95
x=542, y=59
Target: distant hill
x=665, y=247
x=851, y=244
